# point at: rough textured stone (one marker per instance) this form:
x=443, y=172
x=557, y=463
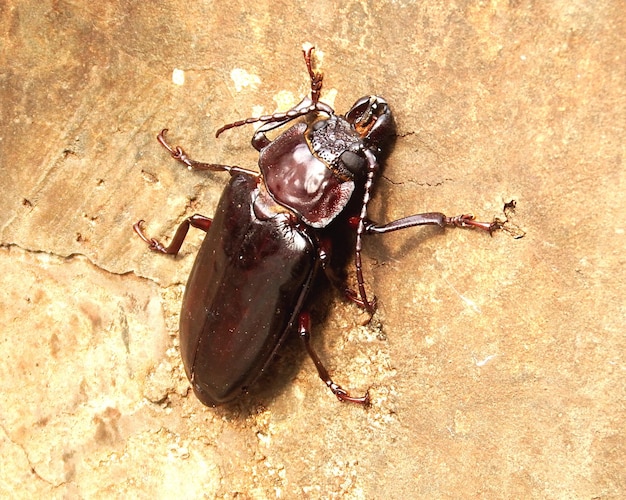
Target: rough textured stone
x=496, y=365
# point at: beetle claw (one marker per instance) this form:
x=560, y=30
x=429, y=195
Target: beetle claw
x=369, y=305
x=137, y=226
x=343, y=395
x=153, y=244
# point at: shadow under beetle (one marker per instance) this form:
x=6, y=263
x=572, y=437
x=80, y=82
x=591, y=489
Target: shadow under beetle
x=270, y=235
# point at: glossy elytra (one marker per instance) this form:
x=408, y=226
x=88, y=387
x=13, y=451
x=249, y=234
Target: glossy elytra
x=273, y=231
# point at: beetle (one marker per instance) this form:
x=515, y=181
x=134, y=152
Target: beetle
x=273, y=231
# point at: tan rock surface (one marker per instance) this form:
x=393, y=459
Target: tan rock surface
x=496, y=365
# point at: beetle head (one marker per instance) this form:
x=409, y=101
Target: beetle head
x=372, y=119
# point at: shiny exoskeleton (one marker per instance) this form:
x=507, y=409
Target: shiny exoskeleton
x=250, y=280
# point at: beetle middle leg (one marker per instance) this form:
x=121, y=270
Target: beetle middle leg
x=433, y=219
x=366, y=226
x=198, y=221
x=304, y=329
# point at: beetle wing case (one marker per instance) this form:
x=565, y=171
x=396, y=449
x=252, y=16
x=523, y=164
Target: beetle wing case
x=244, y=292
x=272, y=231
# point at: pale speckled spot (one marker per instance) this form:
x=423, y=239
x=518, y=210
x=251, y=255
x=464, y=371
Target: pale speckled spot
x=178, y=76
x=285, y=99
x=484, y=361
x=243, y=79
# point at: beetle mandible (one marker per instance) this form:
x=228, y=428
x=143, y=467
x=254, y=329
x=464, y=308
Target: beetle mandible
x=269, y=237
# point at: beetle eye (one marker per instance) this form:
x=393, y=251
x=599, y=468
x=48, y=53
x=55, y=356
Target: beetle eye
x=354, y=163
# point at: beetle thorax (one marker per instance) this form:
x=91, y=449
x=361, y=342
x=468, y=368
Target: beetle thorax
x=298, y=179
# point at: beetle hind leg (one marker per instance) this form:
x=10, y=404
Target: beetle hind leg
x=304, y=328
x=338, y=279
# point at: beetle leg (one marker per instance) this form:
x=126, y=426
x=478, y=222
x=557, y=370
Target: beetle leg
x=366, y=226
x=196, y=220
x=316, y=77
x=179, y=154
x=370, y=305
x=431, y=218
x=307, y=105
x=304, y=328
x=260, y=140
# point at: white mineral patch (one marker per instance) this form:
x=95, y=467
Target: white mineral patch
x=243, y=79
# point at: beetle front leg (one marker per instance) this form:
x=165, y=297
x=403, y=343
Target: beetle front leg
x=306, y=106
x=179, y=154
x=304, y=328
x=277, y=120
x=198, y=221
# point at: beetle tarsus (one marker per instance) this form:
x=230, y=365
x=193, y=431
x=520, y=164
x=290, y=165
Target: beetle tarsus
x=179, y=154
x=176, y=152
x=304, y=328
x=316, y=77
x=468, y=220
x=302, y=109
x=152, y=243
x=342, y=395
x=196, y=220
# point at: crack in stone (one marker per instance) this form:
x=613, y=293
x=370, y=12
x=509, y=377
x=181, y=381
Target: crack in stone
x=417, y=183
x=30, y=463
x=79, y=256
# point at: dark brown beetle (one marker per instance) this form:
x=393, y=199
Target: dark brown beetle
x=259, y=259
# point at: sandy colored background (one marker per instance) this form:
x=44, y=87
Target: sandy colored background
x=496, y=365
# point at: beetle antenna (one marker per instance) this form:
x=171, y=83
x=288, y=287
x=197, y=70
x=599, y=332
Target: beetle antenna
x=298, y=111
x=285, y=116
x=371, y=171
